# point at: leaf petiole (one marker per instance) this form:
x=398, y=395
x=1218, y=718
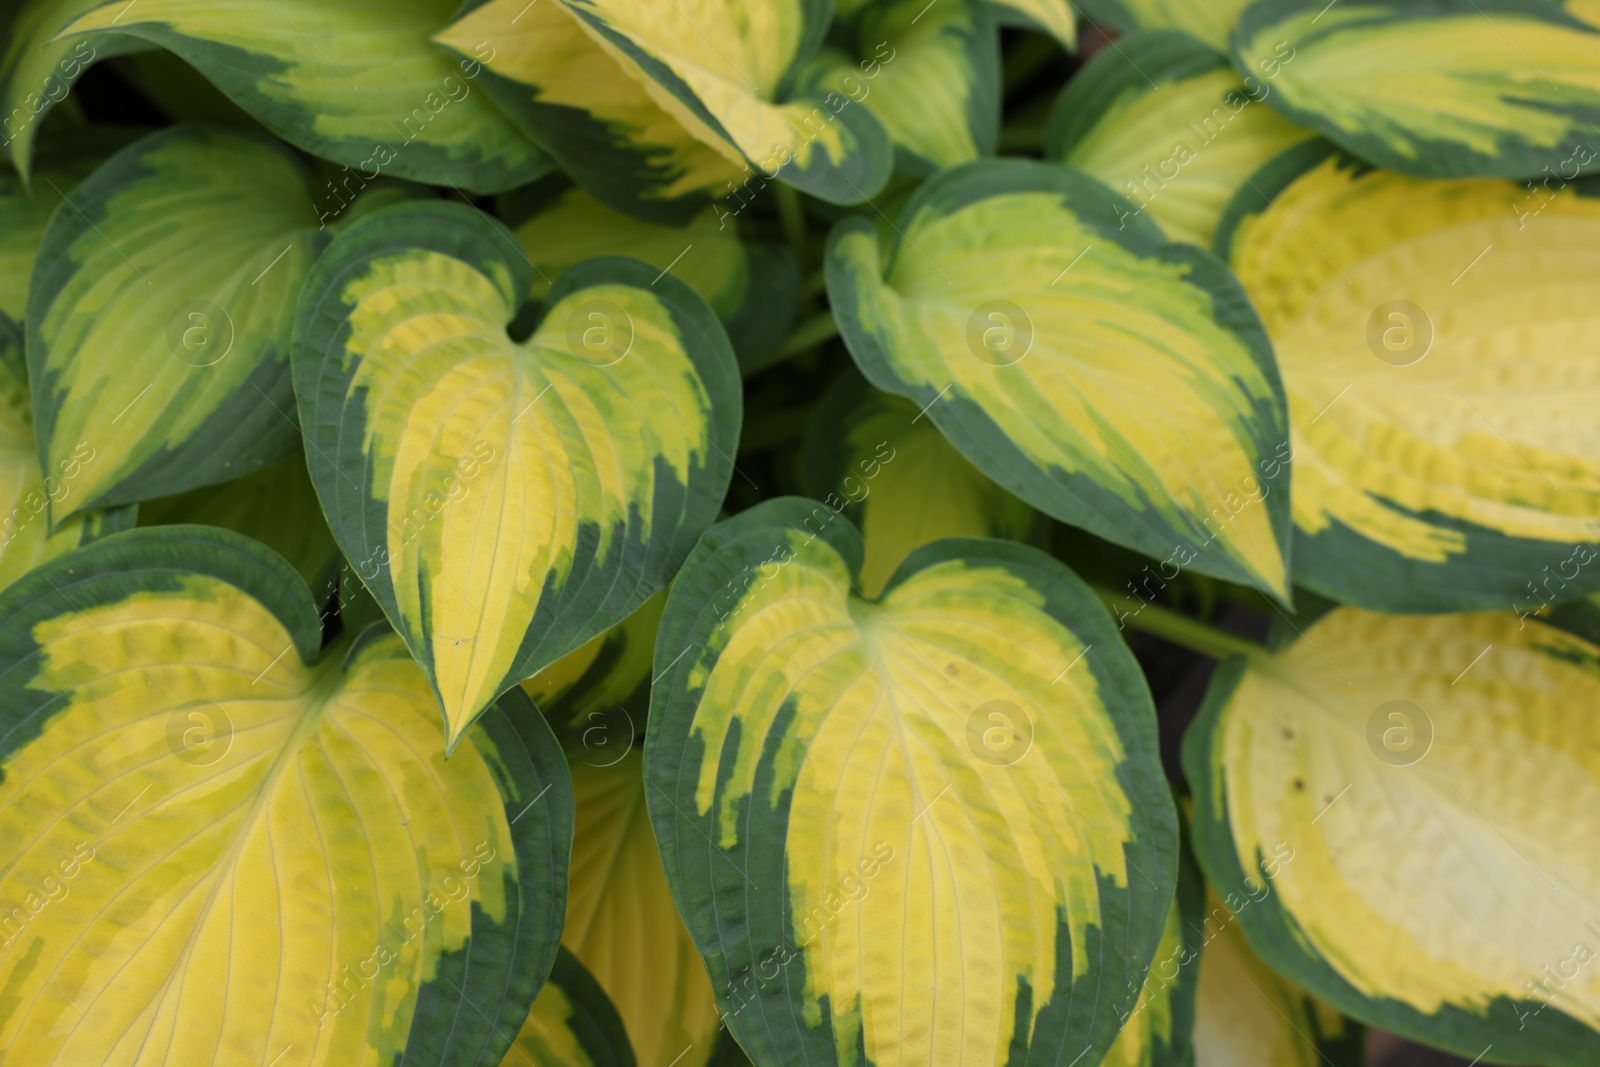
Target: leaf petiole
x=810, y=334
x=1133, y=613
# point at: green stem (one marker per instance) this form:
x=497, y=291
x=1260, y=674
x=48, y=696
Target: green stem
x=810, y=334
x=1179, y=629
x=792, y=217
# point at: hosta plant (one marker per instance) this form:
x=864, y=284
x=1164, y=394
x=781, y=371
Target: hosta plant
x=603, y=533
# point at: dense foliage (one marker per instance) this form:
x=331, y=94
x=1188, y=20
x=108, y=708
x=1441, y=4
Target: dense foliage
x=801, y=532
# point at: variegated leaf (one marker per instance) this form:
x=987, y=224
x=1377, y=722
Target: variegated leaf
x=1159, y=1030
x=357, y=81
x=597, y=696
x=506, y=501
x=1440, y=346
x=1248, y=1015
x=572, y=1024
x=1433, y=782
x=930, y=74
x=37, y=70
x=219, y=844
x=722, y=69
x=926, y=829
x=563, y=89
x=160, y=312
x=1055, y=17
x=1109, y=378
x=1442, y=89
x=25, y=492
x=1166, y=122
x=1210, y=21
x=65, y=159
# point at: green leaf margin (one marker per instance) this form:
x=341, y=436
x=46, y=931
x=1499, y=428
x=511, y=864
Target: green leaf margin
x=1071, y=497
x=500, y=969
x=1548, y=1039
x=581, y=608
x=747, y=918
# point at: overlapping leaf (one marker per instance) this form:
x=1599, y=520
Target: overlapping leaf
x=1447, y=88
x=930, y=74
x=1055, y=17
x=25, y=492
x=622, y=923
x=25, y=207
x=177, y=90
x=1159, y=1029
x=1210, y=21
x=869, y=455
x=357, y=81
x=219, y=845
x=1440, y=346
x=276, y=505
x=1166, y=122
x=1108, y=378
x=1247, y=1015
x=1436, y=780
x=505, y=501
x=928, y=825
x=597, y=696
x=160, y=313
x=572, y=1024
x=724, y=70
x=37, y=71
x=577, y=100
x=753, y=286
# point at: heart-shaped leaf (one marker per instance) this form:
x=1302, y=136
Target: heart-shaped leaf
x=1110, y=379
x=220, y=845
x=160, y=313
x=930, y=826
x=506, y=501
x=1434, y=781
x=1440, y=346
